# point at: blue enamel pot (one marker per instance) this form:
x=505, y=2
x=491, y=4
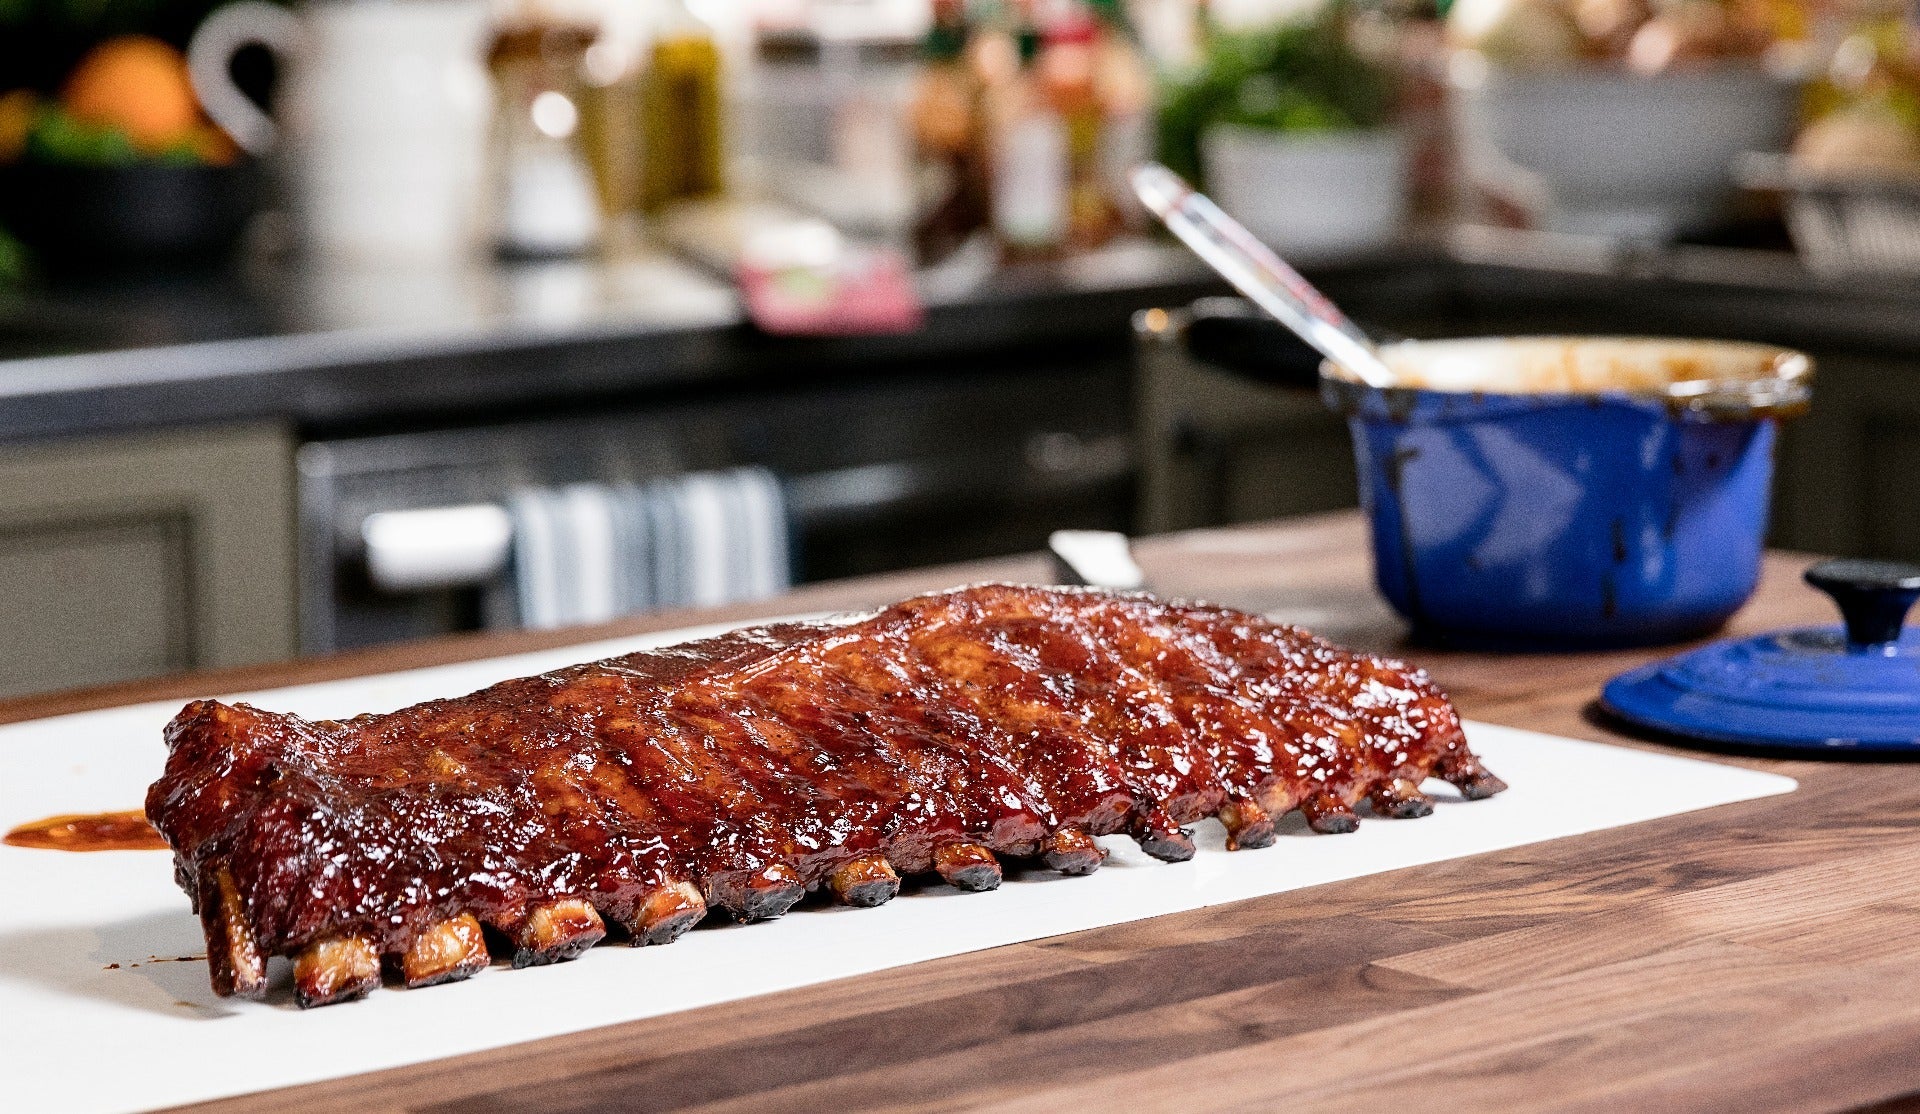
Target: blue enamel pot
x=1556, y=491
x=1570, y=491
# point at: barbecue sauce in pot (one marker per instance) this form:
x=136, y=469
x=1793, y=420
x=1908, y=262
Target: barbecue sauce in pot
x=98, y=831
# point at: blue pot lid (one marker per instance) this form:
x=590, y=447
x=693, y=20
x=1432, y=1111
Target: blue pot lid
x=1851, y=687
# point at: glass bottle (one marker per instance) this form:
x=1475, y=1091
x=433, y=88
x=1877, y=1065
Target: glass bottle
x=1123, y=85
x=610, y=111
x=681, y=112
x=1065, y=67
x=1027, y=154
x=544, y=198
x=949, y=187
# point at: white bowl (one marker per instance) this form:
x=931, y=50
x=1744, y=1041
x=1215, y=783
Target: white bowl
x=1308, y=194
x=1603, y=152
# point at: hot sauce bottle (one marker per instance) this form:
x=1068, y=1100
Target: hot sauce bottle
x=950, y=175
x=1028, y=159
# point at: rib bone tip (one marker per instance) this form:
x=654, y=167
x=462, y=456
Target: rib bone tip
x=1072, y=851
x=967, y=866
x=1169, y=845
x=767, y=893
x=556, y=932
x=1329, y=815
x=1248, y=825
x=668, y=913
x=865, y=882
x=449, y=951
x=235, y=965
x=338, y=969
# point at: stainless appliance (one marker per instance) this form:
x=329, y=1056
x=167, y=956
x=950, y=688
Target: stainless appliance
x=878, y=475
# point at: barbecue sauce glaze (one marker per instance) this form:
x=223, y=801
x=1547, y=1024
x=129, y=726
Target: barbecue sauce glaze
x=995, y=714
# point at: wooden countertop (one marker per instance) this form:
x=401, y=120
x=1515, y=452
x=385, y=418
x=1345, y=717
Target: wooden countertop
x=1758, y=956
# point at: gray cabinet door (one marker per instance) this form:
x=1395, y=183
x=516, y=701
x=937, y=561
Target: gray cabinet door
x=132, y=556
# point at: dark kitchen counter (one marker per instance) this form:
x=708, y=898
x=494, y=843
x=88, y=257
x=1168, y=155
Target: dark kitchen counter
x=329, y=350
x=1735, y=293
x=189, y=437
x=325, y=350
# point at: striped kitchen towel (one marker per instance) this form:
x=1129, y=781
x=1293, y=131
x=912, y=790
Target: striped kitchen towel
x=590, y=552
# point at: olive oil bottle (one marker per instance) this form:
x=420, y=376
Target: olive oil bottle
x=681, y=109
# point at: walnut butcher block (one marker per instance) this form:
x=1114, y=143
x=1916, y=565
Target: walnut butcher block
x=1758, y=956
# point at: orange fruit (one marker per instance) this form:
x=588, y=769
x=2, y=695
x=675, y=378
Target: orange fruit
x=16, y=120
x=139, y=85
x=213, y=146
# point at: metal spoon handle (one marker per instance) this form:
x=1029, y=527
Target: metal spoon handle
x=1257, y=272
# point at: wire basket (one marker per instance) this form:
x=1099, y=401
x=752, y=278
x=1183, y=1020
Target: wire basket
x=1844, y=226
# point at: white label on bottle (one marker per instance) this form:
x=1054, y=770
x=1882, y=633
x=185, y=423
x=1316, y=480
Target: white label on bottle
x=1030, y=182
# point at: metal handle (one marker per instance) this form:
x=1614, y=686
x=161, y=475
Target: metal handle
x=1874, y=597
x=1096, y=558
x=1232, y=335
x=1254, y=270
x=437, y=547
x=446, y=547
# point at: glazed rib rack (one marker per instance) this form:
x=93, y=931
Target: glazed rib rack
x=738, y=773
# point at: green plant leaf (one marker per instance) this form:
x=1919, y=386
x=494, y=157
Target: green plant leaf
x=1298, y=77
x=58, y=137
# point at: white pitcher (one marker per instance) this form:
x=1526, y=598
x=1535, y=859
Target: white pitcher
x=383, y=118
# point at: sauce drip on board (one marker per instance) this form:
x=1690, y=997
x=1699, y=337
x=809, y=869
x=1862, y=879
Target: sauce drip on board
x=97, y=831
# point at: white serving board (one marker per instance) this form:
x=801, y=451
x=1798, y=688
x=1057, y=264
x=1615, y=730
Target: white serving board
x=77, y=1036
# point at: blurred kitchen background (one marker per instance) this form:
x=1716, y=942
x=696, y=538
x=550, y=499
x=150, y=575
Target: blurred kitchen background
x=344, y=322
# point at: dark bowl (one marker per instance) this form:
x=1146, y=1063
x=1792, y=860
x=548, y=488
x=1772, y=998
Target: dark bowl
x=142, y=213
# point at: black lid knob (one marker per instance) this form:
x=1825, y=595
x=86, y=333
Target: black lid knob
x=1874, y=596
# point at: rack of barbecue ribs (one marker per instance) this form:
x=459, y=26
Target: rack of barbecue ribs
x=739, y=773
